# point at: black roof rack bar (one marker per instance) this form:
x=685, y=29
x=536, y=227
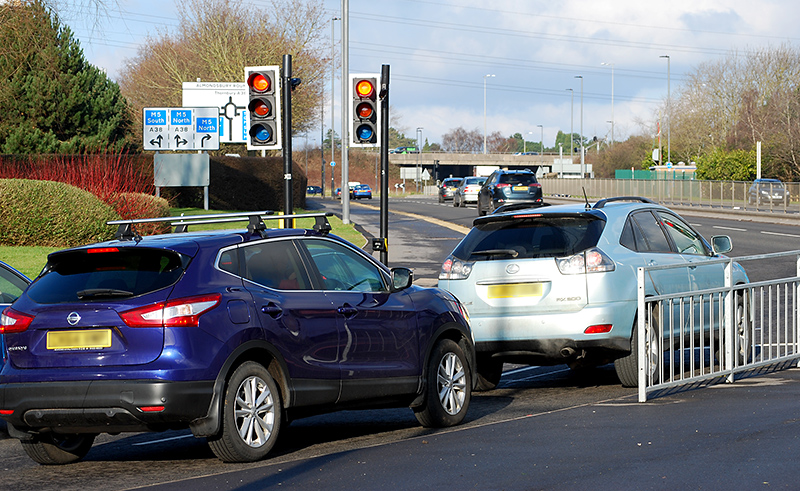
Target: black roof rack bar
x=604, y=202
x=125, y=230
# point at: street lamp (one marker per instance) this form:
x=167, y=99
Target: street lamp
x=484, y=110
x=612, y=99
x=541, y=140
x=525, y=143
x=333, y=79
x=583, y=163
x=571, y=117
x=669, y=116
x=419, y=154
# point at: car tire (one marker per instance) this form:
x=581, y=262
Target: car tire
x=448, y=389
x=744, y=352
x=55, y=449
x=489, y=372
x=455, y=203
x=627, y=367
x=441, y=199
x=248, y=431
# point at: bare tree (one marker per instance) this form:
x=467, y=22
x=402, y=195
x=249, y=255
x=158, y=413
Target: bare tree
x=459, y=140
x=218, y=38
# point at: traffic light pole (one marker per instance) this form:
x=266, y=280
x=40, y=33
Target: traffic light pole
x=384, y=150
x=288, y=201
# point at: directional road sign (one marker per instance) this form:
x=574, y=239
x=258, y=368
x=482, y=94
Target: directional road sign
x=231, y=101
x=181, y=128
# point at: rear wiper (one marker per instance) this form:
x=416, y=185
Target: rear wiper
x=102, y=292
x=496, y=252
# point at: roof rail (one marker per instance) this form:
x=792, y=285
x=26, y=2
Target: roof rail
x=255, y=221
x=603, y=202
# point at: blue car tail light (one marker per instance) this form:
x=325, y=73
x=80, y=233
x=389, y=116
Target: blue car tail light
x=14, y=321
x=181, y=312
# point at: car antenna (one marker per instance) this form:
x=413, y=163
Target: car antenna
x=588, y=206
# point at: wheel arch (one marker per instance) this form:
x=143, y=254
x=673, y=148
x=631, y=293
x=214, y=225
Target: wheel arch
x=258, y=351
x=459, y=335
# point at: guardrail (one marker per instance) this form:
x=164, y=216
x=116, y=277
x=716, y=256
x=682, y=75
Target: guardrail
x=685, y=192
x=696, y=336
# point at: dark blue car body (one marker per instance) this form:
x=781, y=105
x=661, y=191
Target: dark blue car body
x=144, y=334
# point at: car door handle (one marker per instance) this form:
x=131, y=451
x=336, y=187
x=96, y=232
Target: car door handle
x=347, y=310
x=272, y=310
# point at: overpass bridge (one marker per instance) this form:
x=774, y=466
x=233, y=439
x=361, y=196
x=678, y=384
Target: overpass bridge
x=440, y=165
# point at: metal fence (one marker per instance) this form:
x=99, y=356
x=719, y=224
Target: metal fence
x=691, y=337
x=740, y=195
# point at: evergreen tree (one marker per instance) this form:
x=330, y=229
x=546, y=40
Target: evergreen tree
x=53, y=100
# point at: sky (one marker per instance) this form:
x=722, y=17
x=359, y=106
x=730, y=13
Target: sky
x=441, y=53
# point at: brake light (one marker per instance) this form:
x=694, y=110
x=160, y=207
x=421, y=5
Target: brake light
x=101, y=250
x=598, y=329
x=151, y=409
x=589, y=261
x=503, y=185
x=14, y=321
x=180, y=312
x=455, y=269
x=536, y=185
x=6, y=412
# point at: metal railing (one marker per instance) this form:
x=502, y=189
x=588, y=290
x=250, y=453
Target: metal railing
x=740, y=195
x=690, y=337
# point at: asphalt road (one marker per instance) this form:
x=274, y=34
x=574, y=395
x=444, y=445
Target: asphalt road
x=543, y=428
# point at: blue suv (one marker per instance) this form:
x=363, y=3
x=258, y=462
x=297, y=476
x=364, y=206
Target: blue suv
x=229, y=333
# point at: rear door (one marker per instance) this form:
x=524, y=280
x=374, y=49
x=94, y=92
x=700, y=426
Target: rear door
x=77, y=304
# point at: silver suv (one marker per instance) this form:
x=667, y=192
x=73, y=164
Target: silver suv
x=557, y=284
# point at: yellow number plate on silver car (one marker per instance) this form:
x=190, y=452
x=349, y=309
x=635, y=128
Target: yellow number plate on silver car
x=515, y=290
x=78, y=340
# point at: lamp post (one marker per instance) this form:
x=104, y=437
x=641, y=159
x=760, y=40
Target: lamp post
x=419, y=155
x=333, y=79
x=669, y=115
x=583, y=163
x=525, y=143
x=612, y=99
x=571, y=118
x=484, y=110
x=541, y=140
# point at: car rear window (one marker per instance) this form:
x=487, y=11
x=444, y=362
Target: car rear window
x=530, y=237
x=103, y=274
x=523, y=179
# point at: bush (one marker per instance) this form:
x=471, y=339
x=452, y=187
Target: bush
x=141, y=205
x=46, y=213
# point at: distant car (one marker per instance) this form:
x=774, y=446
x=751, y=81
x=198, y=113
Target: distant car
x=12, y=284
x=313, y=190
x=229, y=333
x=362, y=191
x=557, y=285
x=338, y=193
x=467, y=192
x=768, y=191
x=403, y=150
x=448, y=188
x=508, y=186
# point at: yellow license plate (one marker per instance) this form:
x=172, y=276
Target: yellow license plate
x=515, y=290
x=520, y=188
x=77, y=340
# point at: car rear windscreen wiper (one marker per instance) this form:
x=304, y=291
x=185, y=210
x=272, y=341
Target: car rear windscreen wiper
x=496, y=252
x=102, y=292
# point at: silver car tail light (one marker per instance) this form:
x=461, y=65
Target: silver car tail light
x=589, y=261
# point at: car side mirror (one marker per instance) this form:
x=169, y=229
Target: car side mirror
x=721, y=244
x=401, y=278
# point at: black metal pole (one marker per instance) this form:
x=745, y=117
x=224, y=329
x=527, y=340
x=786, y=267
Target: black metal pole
x=384, y=95
x=288, y=202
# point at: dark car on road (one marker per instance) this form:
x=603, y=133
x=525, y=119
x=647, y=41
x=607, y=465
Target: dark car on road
x=448, y=188
x=508, y=186
x=771, y=191
x=313, y=190
x=230, y=333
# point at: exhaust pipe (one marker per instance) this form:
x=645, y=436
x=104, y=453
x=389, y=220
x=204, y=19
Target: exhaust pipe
x=567, y=352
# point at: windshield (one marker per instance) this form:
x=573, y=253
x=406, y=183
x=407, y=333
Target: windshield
x=530, y=238
x=107, y=273
x=474, y=180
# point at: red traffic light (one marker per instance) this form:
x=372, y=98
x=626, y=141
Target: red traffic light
x=259, y=82
x=260, y=108
x=364, y=89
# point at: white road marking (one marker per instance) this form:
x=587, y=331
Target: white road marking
x=778, y=233
x=730, y=228
x=164, y=440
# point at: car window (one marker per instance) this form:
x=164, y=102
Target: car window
x=11, y=286
x=652, y=235
x=343, y=269
x=523, y=179
x=100, y=274
x=686, y=240
x=275, y=264
x=530, y=238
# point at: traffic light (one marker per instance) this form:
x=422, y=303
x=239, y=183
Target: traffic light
x=364, y=110
x=263, y=107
